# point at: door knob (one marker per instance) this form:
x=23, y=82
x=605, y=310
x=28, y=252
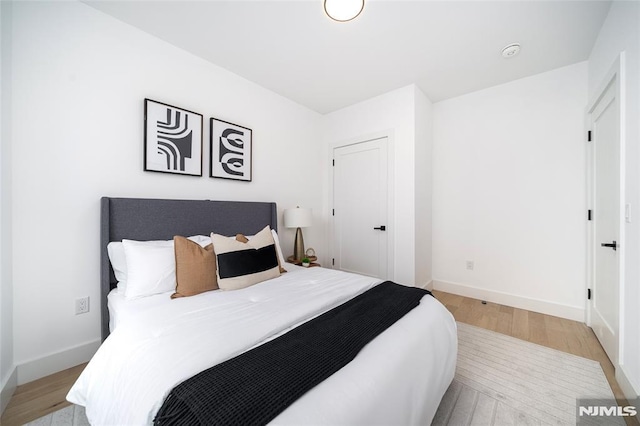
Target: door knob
x=613, y=245
x=381, y=228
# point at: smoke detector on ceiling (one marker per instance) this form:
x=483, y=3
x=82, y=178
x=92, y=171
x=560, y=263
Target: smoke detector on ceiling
x=511, y=50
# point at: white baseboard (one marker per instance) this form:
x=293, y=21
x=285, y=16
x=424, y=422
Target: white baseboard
x=426, y=286
x=7, y=389
x=41, y=367
x=630, y=391
x=574, y=313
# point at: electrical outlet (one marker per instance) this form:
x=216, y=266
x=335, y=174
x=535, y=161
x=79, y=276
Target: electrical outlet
x=82, y=305
x=469, y=265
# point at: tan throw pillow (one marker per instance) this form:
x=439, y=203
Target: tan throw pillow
x=195, y=268
x=243, y=239
x=241, y=265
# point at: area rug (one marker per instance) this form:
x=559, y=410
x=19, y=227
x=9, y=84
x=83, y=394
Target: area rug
x=72, y=415
x=501, y=380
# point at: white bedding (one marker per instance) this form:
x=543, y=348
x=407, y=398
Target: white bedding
x=122, y=310
x=399, y=378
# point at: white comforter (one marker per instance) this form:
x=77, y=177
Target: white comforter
x=399, y=378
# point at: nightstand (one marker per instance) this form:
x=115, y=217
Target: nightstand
x=298, y=262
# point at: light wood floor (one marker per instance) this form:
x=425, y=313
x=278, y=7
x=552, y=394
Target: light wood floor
x=557, y=333
x=39, y=398
x=36, y=399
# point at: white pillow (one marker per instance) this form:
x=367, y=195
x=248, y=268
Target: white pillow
x=118, y=263
x=118, y=260
x=202, y=240
x=151, y=268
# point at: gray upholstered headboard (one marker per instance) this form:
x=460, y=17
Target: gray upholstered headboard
x=148, y=219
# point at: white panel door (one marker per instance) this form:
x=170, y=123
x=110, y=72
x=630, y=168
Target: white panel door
x=604, y=307
x=360, y=208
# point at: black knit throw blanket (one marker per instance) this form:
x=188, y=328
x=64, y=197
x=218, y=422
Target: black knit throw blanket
x=256, y=386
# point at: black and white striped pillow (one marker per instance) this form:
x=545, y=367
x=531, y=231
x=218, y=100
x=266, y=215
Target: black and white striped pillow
x=242, y=264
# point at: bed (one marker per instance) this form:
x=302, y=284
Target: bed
x=152, y=344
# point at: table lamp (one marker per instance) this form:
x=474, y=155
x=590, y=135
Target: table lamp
x=298, y=218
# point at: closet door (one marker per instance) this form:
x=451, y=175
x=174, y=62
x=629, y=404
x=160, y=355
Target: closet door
x=360, y=228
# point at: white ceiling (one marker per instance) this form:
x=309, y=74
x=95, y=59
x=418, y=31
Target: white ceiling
x=448, y=48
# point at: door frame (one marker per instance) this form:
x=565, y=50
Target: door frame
x=614, y=76
x=390, y=194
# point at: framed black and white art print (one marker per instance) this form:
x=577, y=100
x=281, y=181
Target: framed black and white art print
x=172, y=139
x=230, y=151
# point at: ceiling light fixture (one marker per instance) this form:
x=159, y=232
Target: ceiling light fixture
x=511, y=50
x=343, y=10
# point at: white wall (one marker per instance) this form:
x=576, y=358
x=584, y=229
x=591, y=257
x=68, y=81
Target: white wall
x=79, y=80
x=423, y=187
x=621, y=32
x=509, y=193
x=7, y=369
x=391, y=114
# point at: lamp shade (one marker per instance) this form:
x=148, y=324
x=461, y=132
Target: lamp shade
x=297, y=218
x=343, y=10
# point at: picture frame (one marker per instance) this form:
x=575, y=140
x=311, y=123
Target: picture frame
x=173, y=139
x=231, y=151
